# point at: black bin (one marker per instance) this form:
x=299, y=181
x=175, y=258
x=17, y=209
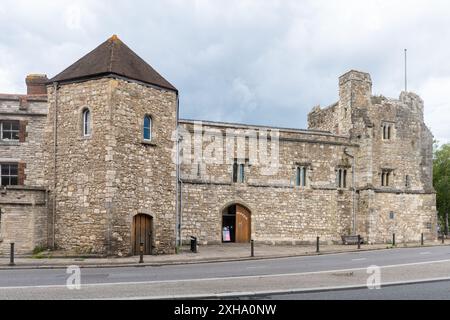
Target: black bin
x=194, y=244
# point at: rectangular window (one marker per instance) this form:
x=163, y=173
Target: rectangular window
x=9, y=174
x=238, y=172
x=341, y=178
x=386, y=177
x=241, y=173
x=199, y=170
x=235, y=172
x=9, y=130
x=301, y=176
x=387, y=131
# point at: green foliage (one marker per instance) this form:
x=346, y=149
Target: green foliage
x=441, y=180
x=39, y=252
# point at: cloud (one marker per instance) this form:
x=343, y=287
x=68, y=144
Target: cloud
x=437, y=106
x=264, y=62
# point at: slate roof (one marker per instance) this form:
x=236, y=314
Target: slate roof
x=113, y=57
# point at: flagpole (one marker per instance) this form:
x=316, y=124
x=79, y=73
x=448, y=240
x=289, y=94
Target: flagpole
x=406, y=70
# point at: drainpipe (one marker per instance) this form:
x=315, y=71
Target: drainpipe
x=353, y=191
x=55, y=137
x=178, y=187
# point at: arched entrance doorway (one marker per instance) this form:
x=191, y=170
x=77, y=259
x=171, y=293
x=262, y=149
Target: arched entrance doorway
x=142, y=232
x=236, y=224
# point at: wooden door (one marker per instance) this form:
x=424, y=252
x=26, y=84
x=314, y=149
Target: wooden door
x=142, y=233
x=243, y=225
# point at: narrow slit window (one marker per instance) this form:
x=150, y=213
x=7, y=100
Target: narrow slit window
x=147, y=128
x=386, y=178
x=199, y=170
x=304, y=177
x=241, y=173
x=86, y=123
x=387, y=131
x=344, y=179
x=407, y=181
x=338, y=178
x=235, y=172
x=341, y=178
x=301, y=176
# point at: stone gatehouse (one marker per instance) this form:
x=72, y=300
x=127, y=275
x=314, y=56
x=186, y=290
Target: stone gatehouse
x=97, y=160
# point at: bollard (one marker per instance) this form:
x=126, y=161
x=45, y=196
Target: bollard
x=443, y=238
x=318, y=245
x=393, y=239
x=11, y=257
x=421, y=240
x=359, y=241
x=252, y=248
x=141, y=252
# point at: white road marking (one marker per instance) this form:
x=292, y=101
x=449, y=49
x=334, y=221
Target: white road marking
x=360, y=259
x=424, y=253
x=279, y=292
x=224, y=278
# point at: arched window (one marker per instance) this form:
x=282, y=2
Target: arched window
x=147, y=128
x=86, y=122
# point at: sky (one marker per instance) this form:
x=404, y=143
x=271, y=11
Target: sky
x=251, y=61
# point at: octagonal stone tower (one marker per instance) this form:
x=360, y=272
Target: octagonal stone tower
x=109, y=161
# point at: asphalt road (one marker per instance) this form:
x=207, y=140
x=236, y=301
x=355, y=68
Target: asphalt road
x=423, y=291
x=13, y=283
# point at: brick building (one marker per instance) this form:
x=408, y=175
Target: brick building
x=96, y=160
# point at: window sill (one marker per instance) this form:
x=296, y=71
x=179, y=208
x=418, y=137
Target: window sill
x=149, y=143
x=9, y=143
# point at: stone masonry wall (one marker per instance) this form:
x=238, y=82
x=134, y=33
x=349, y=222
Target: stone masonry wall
x=23, y=219
x=31, y=111
x=104, y=180
x=81, y=220
x=281, y=212
x=407, y=155
x=142, y=175
x=382, y=214
x=278, y=215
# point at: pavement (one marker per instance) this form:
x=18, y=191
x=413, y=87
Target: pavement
x=266, y=278
x=211, y=253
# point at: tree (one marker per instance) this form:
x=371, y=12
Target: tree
x=441, y=180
